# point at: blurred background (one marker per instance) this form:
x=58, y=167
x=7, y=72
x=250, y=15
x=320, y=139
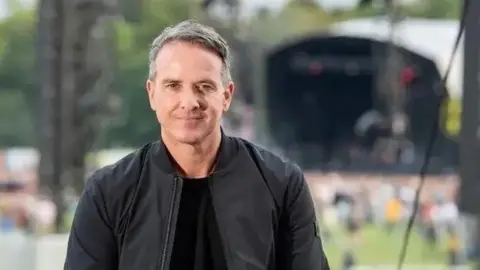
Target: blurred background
x=348, y=89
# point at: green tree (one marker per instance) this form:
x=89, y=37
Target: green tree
x=431, y=9
x=435, y=9
x=135, y=123
x=15, y=125
x=296, y=18
x=17, y=101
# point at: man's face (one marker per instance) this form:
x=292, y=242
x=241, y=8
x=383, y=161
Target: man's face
x=187, y=93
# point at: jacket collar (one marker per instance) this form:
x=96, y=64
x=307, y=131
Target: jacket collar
x=228, y=150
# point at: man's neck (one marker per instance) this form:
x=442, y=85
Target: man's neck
x=195, y=161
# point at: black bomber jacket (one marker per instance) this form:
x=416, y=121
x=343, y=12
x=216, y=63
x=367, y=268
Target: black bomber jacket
x=125, y=219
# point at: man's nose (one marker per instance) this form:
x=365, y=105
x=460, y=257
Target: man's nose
x=189, y=100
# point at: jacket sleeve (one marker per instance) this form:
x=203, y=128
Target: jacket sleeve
x=301, y=244
x=91, y=244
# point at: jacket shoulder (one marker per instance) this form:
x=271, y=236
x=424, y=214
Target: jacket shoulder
x=278, y=168
x=119, y=173
x=113, y=185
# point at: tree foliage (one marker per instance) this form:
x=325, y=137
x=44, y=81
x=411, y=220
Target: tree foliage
x=17, y=93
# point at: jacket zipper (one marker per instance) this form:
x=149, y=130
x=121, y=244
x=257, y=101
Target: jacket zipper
x=171, y=221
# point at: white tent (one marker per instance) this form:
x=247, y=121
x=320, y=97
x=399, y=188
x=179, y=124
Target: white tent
x=433, y=39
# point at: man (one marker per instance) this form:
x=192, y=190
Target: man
x=369, y=127
x=196, y=199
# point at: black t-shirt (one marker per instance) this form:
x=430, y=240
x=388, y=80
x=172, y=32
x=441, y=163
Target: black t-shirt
x=197, y=244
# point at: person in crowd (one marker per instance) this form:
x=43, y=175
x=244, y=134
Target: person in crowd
x=427, y=225
x=393, y=213
x=348, y=259
x=444, y=214
x=10, y=212
x=453, y=247
x=343, y=202
x=354, y=222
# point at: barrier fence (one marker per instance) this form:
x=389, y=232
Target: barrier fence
x=19, y=251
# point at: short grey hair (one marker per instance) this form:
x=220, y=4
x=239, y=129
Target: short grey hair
x=192, y=32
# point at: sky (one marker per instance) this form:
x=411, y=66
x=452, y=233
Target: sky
x=4, y=7
x=248, y=5
x=251, y=5
x=326, y=4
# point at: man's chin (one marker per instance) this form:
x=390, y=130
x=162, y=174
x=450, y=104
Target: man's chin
x=190, y=137
x=189, y=140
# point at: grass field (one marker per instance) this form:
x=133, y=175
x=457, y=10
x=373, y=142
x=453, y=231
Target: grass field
x=376, y=247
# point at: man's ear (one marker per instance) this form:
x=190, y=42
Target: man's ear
x=150, y=86
x=228, y=96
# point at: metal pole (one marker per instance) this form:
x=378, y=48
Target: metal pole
x=260, y=93
x=395, y=93
x=470, y=133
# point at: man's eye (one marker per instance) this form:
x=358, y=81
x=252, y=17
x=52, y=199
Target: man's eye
x=207, y=87
x=172, y=86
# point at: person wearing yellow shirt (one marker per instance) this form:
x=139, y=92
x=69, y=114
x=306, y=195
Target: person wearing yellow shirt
x=453, y=247
x=393, y=213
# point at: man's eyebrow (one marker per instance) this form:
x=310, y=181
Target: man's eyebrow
x=174, y=81
x=206, y=81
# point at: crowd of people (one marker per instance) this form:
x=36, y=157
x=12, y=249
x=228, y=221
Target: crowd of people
x=357, y=203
